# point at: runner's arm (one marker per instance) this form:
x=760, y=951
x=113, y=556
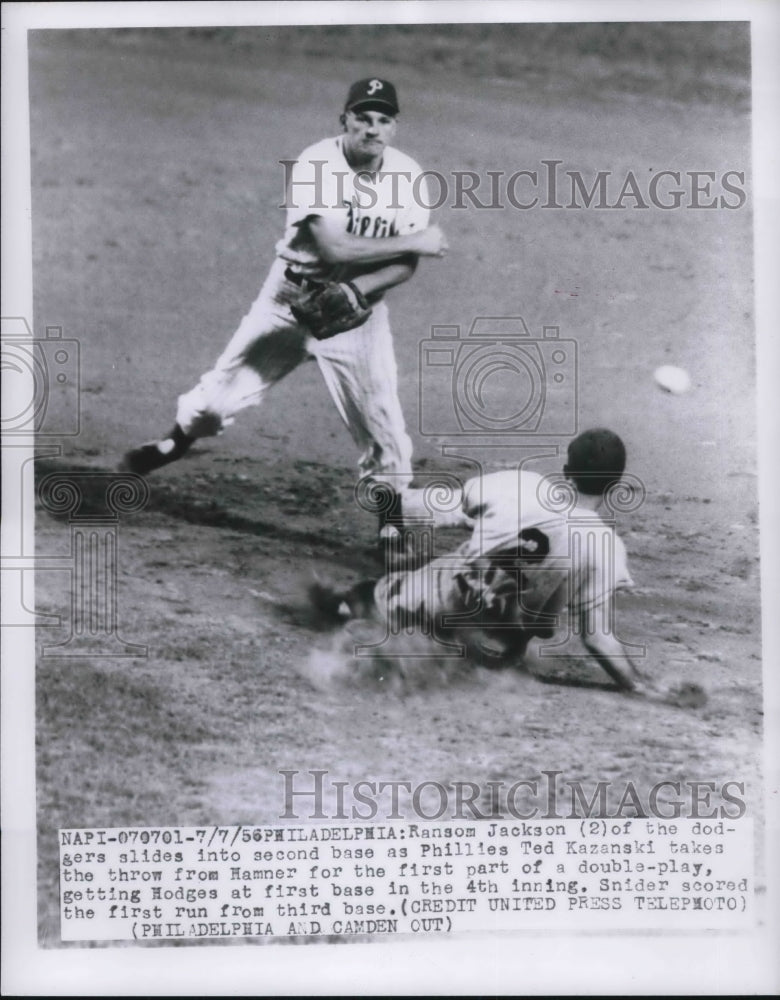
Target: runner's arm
x=611, y=655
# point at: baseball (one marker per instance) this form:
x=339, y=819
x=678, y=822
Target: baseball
x=672, y=379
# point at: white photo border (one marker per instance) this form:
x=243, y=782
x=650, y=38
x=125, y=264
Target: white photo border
x=581, y=964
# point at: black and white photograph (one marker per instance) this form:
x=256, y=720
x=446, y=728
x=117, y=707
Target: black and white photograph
x=389, y=537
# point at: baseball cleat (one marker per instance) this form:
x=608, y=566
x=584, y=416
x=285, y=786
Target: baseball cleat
x=389, y=535
x=331, y=603
x=339, y=605
x=396, y=548
x=155, y=454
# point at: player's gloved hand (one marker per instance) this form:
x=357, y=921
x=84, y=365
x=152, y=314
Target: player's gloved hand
x=332, y=308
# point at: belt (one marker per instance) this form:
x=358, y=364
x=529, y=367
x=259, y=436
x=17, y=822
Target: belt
x=300, y=279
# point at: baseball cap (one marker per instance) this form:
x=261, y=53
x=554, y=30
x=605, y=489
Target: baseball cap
x=372, y=91
x=596, y=460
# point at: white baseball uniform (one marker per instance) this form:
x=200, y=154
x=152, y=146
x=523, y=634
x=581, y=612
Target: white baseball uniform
x=521, y=567
x=358, y=365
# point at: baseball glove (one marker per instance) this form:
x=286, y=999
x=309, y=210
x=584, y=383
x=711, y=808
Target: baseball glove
x=332, y=308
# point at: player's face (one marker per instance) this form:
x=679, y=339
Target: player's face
x=367, y=133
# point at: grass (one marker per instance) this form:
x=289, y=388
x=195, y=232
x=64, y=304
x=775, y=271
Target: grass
x=706, y=62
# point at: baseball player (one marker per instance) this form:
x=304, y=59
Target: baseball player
x=522, y=567
x=357, y=222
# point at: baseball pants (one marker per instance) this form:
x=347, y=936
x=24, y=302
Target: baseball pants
x=358, y=366
x=453, y=597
